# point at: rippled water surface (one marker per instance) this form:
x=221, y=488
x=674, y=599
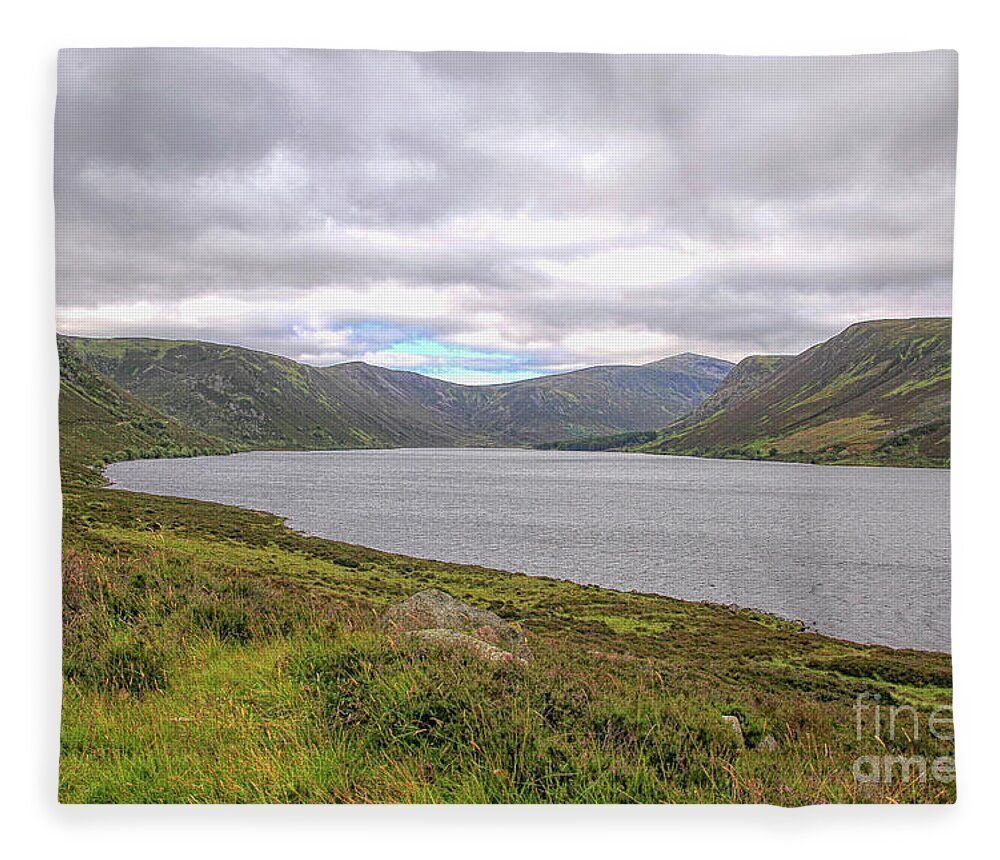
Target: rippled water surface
x=859, y=553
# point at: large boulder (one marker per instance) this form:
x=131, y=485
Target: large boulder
x=435, y=616
x=454, y=640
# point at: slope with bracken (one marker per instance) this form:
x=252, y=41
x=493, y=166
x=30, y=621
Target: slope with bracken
x=742, y=381
x=876, y=393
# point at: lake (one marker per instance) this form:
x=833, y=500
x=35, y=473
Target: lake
x=853, y=552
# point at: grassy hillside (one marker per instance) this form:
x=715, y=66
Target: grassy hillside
x=264, y=401
x=743, y=381
x=98, y=422
x=213, y=655
x=877, y=393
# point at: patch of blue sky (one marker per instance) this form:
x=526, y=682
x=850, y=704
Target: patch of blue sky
x=436, y=349
x=421, y=352
x=369, y=326
x=375, y=334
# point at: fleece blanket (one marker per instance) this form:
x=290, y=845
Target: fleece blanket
x=504, y=428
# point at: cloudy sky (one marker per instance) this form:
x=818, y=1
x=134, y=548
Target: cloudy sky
x=487, y=217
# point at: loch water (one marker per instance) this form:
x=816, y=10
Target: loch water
x=854, y=552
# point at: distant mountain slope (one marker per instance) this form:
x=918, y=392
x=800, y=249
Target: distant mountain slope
x=743, y=379
x=878, y=392
x=593, y=401
x=98, y=420
x=260, y=400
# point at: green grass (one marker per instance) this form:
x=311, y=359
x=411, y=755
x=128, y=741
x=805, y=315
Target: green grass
x=213, y=655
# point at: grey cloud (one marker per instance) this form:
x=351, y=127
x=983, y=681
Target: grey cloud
x=314, y=177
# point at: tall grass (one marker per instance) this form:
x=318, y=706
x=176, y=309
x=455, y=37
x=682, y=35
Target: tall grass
x=187, y=681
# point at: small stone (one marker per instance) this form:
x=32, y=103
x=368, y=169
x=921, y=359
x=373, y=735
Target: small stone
x=734, y=725
x=767, y=744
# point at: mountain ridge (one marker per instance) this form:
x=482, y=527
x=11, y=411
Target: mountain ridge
x=876, y=393
x=256, y=399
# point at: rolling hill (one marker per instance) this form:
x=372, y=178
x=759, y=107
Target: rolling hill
x=98, y=422
x=876, y=393
x=256, y=400
x=742, y=380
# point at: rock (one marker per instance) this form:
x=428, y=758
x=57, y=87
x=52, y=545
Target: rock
x=436, y=615
x=767, y=744
x=734, y=725
x=463, y=642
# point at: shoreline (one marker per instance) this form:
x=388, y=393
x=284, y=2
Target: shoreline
x=800, y=626
x=546, y=447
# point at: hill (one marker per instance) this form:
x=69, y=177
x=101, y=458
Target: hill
x=98, y=423
x=259, y=400
x=876, y=393
x=742, y=381
x=592, y=401
x=264, y=401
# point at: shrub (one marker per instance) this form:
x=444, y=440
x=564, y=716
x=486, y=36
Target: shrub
x=130, y=663
x=229, y=620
